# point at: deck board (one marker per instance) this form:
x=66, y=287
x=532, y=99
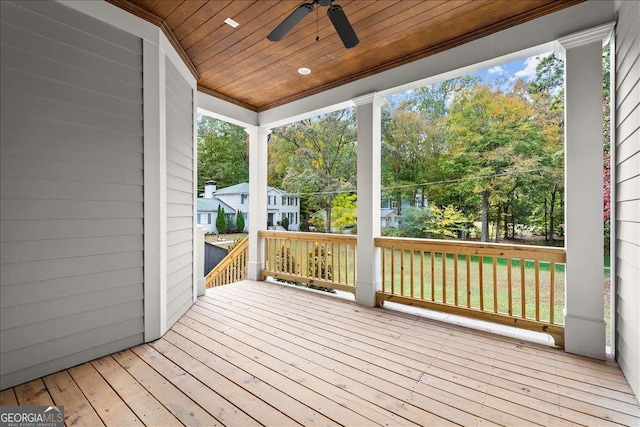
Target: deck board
x=62, y=388
x=257, y=353
x=142, y=403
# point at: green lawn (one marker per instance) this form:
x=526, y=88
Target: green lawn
x=435, y=280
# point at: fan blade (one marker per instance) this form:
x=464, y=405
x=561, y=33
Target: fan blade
x=342, y=26
x=290, y=21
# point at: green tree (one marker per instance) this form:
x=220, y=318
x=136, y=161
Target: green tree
x=285, y=223
x=434, y=222
x=406, y=153
x=223, y=154
x=344, y=210
x=240, y=222
x=322, y=156
x=221, y=223
x=494, y=140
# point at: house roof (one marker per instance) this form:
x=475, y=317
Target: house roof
x=386, y=212
x=243, y=188
x=227, y=62
x=211, y=205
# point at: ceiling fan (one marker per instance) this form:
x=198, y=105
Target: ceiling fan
x=335, y=13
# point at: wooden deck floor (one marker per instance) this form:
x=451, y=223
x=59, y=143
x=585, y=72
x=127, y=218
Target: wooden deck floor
x=264, y=354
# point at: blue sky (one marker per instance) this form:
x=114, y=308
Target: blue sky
x=505, y=73
x=524, y=69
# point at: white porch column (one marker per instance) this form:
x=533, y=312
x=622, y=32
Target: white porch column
x=258, y=139
x=584, y=242
x=369, y=147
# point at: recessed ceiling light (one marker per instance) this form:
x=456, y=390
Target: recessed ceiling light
x=231, y=22
x=304, y=71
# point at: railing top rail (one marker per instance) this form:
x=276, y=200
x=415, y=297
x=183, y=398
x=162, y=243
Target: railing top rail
x=475, y=248
x=315, y=237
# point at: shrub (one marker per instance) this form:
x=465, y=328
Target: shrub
x=221, y=223
x=285, y=223
x=231, y=226
x=319, y=267
x=240, y=222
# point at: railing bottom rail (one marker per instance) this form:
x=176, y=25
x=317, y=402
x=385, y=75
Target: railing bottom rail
x=308, y=280
x=556, y=331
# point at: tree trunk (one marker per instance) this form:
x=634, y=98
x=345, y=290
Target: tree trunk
x=497, y=230
x=505, y=212
x=328, y=221
x=546, y=235
x=552, y=211
x=485, y=216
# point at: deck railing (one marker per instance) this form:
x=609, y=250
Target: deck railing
x=516, y=285
x=327, y=260
x=233, y=268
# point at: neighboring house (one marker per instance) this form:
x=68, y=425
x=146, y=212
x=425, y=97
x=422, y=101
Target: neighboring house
x=208, y=213
x=388, y=218
x=388, y=202
x=280, y=204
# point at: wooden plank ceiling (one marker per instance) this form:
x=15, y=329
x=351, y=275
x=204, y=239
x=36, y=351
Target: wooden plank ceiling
x=241, y=66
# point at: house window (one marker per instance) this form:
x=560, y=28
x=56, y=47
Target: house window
x=208, y=218
x=243, y=199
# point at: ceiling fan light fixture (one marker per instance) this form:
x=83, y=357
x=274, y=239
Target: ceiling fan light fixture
x=336, y=15
x=304, y=71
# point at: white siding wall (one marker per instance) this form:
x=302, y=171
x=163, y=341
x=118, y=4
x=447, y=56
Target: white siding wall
x=179, y=104
x=627, y=68
x=234, y=200
x=71, y=196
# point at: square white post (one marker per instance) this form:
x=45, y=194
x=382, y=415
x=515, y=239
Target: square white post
x=369, y=148
x=584, y=229
x=258, y=140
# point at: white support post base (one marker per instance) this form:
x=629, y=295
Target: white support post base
x=258, y=140
x=585, y=336
x=584, y=231
x=368, y=279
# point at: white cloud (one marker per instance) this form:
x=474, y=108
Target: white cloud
x=530, y=65
x=496, y=70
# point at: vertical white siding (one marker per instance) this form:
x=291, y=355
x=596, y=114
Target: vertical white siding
x=71, y=190
x=627, y=69
x=179, y=104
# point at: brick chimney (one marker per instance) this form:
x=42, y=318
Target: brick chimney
x=209, y=189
